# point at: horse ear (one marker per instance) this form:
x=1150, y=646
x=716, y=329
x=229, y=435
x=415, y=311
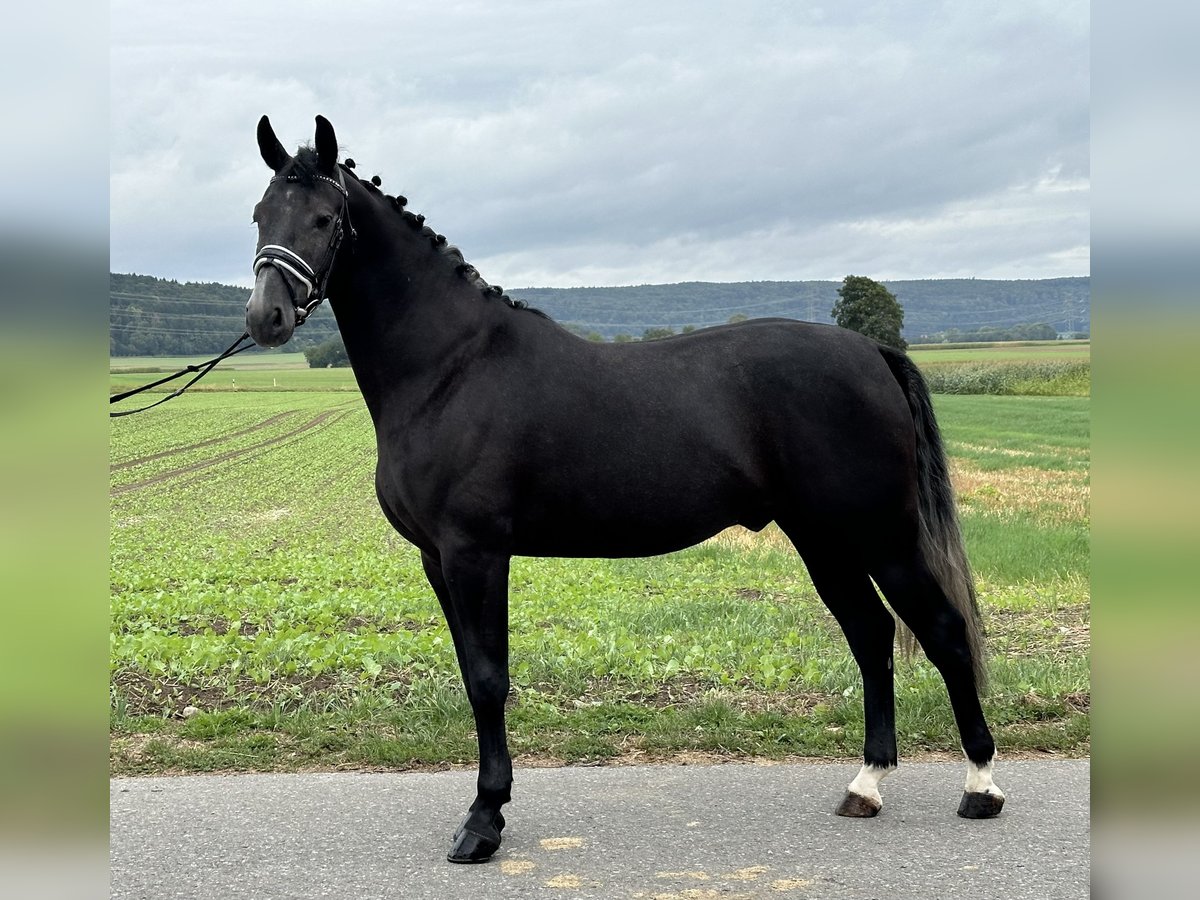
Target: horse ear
x=327, y=150
x=272, y=151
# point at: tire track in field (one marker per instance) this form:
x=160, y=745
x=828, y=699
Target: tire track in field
x=228, y=455
x=265, y=423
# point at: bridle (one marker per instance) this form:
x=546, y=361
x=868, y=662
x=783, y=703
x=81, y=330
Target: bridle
x=288, y=261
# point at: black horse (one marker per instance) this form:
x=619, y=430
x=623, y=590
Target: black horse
x=499, y=433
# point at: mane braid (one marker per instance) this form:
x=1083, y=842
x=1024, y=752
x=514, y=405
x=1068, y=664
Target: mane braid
x=437, y=242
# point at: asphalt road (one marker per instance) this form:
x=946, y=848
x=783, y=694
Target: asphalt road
x=726, y=832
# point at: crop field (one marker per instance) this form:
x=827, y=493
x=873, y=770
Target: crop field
x=254, y=579
x=1009, y=351
x=254, y=359
x=228, y=378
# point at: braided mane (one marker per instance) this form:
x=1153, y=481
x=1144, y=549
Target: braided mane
x=437, y=242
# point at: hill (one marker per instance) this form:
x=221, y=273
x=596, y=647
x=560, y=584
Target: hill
x=151, y=316
x=155, y=317
x=930, y=307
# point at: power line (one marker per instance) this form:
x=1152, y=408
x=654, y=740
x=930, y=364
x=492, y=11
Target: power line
x=144, y=313
x=177, y=299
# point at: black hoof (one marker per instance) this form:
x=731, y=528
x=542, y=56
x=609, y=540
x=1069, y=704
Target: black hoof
x=475, y=844
x=980, y=806
x=499, y=820
x=856, y=806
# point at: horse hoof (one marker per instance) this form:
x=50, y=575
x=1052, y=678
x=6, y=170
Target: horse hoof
x=499, y=821
x=980, y=806
x=473, y=847
x=856, y=806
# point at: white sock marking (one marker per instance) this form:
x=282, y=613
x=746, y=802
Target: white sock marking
x=979, y=780
x=866, y=782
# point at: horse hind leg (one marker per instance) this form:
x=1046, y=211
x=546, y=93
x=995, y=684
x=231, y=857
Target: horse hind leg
x=870, y=632
x=941, y=629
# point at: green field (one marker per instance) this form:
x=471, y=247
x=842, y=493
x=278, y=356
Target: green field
x=255, y=359
x=253, y=577
x=1015, y=350
x=1011, y=351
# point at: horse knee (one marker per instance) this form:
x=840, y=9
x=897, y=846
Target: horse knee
x=489, y=687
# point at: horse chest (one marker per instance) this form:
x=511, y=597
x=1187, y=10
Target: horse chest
x=401, y=507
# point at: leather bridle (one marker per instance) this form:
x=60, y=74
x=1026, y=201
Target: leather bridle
x=289, y=262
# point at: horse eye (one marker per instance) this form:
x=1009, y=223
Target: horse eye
x=323, y=221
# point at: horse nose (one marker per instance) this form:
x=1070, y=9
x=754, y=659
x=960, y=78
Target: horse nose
x=270, y=317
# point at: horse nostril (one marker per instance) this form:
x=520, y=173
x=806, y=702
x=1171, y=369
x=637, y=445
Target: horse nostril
x=277, y=318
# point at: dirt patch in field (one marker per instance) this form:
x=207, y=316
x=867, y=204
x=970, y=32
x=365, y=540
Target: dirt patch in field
x=219, y=625
x=146, y=695
x=1057, y=497
x=1064, y=631
x=374, y=625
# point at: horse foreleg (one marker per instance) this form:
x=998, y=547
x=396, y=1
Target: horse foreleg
x=433, y=571
x=477, y=588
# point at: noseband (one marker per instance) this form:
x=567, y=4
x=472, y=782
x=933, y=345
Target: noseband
x=287, y=260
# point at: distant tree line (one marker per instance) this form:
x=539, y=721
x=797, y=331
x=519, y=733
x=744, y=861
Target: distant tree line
x=930, y=306
x=649, y=334
x=1030, y=331
x=863, y=305
x=155, y=317
x=151, y=316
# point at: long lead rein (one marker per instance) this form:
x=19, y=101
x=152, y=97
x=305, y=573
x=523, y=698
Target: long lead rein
x=284, y=259
x=201, y=369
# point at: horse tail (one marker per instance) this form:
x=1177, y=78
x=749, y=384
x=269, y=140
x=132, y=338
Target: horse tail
x=940, y=539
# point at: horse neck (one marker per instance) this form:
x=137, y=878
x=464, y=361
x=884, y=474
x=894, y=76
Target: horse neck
x=407, y=318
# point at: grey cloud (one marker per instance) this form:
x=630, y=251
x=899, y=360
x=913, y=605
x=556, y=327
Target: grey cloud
x=562, y=141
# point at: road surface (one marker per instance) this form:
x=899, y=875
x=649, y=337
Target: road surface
x=664, y=832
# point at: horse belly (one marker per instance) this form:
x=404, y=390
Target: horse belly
x=633, y=518
x=615, y=539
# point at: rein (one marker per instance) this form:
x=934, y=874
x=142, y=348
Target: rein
x=287, y=261
x=201, y=369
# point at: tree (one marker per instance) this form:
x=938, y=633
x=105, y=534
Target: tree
x=869, y=308
x=331, y=353
x=656, y=334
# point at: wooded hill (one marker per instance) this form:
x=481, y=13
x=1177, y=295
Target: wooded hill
x=930, y=307
x=152, y=316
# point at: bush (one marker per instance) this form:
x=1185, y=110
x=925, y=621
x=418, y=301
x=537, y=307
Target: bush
x=331, y=353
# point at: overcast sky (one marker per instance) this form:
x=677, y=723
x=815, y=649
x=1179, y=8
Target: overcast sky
x=598, y=143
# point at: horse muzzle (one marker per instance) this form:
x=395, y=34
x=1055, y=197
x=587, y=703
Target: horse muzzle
x=271, y=309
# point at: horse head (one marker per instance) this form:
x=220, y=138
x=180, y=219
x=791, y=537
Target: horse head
x=301, y=219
